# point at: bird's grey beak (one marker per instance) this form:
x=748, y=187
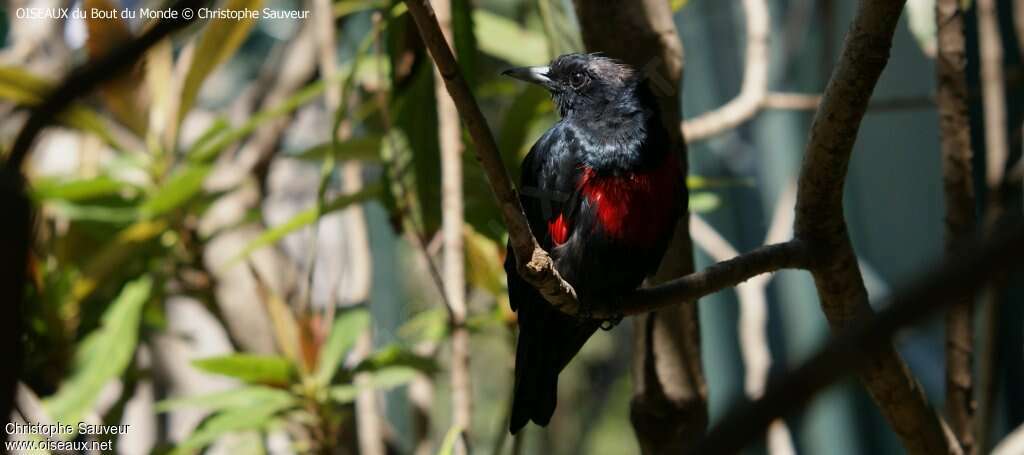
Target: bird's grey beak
x=531, y=74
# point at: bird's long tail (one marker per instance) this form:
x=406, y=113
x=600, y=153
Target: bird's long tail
x=548, y=339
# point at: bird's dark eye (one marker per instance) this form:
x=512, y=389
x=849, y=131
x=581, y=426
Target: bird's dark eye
x=578, y=79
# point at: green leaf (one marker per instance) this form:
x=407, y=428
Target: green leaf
x=704, y=202
x=304, y=218
x=220, y=137
x=415, y=167
x=219, y=41
x=503, y=38
x=233, y=420
x=450, y=438
x=428, y=325
x=347, y=327
x=465, y=42
x=97, y=213
x=495, y=32
x=257, y=369
x=76, y=190
x=103, y=355
x=104, y=263
x=396, y=356
x=678, y=5
x=346, y=7
x=179, y=189
x=363, y=149
x=386, y=378
x=483, y=262
x=228, y=399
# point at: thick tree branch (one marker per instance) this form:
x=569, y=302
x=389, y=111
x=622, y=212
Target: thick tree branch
x=857, y=347
x=534, y=263
x=820, y=222
x=958, y=186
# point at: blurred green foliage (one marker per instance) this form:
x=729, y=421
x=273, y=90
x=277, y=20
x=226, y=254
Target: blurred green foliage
x=118, y=238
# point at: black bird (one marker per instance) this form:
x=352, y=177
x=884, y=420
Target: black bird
x=602, y=191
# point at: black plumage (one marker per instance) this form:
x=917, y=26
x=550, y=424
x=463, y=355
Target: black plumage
x=602, y=192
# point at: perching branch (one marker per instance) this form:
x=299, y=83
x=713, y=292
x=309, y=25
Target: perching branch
x=857, y=347
x=534, y=263
x=958, y=186
x=820, y=223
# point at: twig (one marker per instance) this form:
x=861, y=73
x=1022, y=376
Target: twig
x=755, y=80
x=856, y=348
x=820, y=222
x=450, y=138
x=958, y=186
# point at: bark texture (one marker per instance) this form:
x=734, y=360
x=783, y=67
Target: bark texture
x=958, y=187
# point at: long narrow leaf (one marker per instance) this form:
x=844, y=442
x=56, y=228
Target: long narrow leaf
x=231, y=421
x=103, y=355
x=387, y=378
x=219, y=41
x=255, y=369
x=179, y=189
x=347, y=327
x=305, y=218
x=235, y=398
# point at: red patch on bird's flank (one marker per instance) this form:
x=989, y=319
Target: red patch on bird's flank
x=559, y=230
x=634, y=207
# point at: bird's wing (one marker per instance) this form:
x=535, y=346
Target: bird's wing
x=548, y=184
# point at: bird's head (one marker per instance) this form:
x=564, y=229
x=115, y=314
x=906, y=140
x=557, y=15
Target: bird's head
x=582, y=82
